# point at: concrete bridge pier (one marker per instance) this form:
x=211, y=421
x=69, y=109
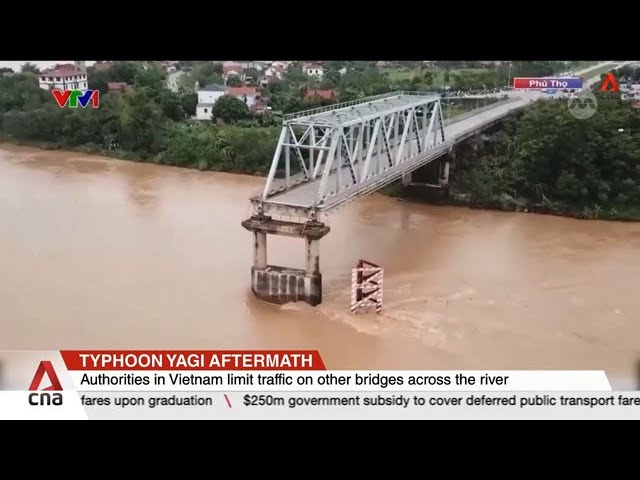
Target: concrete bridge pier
x=278, y=284
x=444, y=172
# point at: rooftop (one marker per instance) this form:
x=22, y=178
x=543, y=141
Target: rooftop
x=212, y=87
x=232, y=68
x=66, y=70
x=116, y=85
x=241, y=90
x=324, y=94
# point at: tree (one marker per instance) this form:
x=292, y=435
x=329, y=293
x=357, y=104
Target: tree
x=234, y=81
x=295, y=74
x=151, y=78
x=253, y=74
x=30, y=67
x=170, y=103
x=98, y=79
x=6, y=70
x=124, y=72
x=206, y=73
x=428, y=78
x=229, y=109
x=189, y=103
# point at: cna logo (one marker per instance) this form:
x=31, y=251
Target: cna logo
x=45, y=398
x=45, y=367
x=610, y=84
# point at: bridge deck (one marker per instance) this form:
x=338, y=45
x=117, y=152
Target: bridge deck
x=304, y=195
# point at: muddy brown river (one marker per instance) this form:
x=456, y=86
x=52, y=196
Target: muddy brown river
x=100, y=253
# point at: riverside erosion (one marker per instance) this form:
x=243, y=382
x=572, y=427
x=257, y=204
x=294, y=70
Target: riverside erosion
x=104, y=254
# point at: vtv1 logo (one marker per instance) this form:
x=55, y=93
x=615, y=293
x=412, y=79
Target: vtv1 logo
x=45, y=398
x=73, y=98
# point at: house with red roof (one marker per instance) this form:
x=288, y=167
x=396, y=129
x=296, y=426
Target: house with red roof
x=248, y=95
x=64, y=77
x=233, y=69
x=117, y=86
x=320, y=94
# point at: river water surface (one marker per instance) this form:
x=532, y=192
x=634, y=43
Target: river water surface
x=100, y=253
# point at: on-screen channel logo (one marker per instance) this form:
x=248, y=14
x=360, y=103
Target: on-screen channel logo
x=41, y=396
x=610, y=84
x=583, y=105
x=73, y=98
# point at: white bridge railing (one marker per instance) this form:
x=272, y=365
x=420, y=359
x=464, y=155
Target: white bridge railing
x=336, y=106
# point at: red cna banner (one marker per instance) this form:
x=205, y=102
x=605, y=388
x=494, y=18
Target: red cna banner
x=193, y=359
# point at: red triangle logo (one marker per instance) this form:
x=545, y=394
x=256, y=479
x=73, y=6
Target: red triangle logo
x=45, y=367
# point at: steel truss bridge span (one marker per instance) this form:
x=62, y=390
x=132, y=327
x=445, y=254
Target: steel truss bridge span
x=328, y=156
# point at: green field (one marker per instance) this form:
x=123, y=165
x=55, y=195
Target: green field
x=403, y=73
x=581, y=64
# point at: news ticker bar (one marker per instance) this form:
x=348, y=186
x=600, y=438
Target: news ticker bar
x=238, y=384
x=540, y=83
x=320, y=405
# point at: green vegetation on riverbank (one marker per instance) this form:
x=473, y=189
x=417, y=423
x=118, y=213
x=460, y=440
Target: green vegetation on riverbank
x=544, y=160
x=147, y=122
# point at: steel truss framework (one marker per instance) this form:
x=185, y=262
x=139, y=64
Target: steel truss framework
x=326, y=155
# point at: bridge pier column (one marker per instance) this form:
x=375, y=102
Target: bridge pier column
x=313, y=256
x=260, y=250
x=444, y=172
x=277, y=284
x=406, y=179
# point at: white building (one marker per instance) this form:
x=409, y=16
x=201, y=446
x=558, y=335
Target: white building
x=64, y=77
x=207, y=96
x=273, y=72
x=313, y=69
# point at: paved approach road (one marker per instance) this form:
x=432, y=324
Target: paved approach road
x=172, y=80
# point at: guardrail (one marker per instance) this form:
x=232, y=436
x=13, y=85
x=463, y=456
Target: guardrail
x=471, y=113
x=336, y=106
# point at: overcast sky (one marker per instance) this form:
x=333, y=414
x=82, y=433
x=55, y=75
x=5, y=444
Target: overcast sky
x=16, y=64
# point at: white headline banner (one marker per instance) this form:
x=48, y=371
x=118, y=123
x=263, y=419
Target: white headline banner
x=341, y=380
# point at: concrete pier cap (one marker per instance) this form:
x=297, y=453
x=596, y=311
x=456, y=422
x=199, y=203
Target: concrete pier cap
x=278, y=284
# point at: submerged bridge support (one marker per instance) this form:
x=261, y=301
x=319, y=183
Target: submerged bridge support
x=276, y=284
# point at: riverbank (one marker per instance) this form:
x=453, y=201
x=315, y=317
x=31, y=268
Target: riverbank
x=420, y=195
x=510, y=204
x=88, y=149
x=117, y=155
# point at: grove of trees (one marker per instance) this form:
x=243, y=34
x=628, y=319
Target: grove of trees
x=546, y=159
